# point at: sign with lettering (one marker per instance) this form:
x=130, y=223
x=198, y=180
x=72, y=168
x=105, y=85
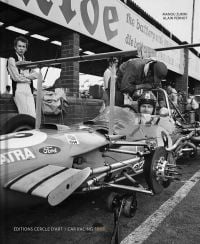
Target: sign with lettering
x=145, y=52
x=16, y=155
x=111, y=22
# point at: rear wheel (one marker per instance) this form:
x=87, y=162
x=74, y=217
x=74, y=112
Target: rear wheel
x=112, y=201
x=17, y=123
x=130, y=206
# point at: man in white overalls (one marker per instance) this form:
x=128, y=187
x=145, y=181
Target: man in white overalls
x=22, y=79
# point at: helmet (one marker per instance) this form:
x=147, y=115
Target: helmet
x=147, y=98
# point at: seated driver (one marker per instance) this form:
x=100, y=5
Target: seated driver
x=146, y=107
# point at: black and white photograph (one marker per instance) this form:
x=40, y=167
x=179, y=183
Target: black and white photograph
x=100, y=121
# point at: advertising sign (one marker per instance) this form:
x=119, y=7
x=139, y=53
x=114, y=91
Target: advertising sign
x=111, y=22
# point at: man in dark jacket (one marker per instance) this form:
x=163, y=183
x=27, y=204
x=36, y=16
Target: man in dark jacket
x=138, y=73
x=22, y=83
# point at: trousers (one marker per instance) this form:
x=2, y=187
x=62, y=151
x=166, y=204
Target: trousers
x=24, y=99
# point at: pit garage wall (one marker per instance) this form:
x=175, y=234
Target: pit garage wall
x=69, y=77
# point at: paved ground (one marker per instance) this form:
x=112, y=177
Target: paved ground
x=84, y=218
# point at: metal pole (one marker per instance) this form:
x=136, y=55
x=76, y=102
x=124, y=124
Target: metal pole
x=99, y=56
x=112, y=99
x=192, y=29
x=186, y=64
x=39, y=100
x=83, y=58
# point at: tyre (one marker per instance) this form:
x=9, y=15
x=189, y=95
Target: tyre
x=130, y=206
x=112, y=201
x=19, y=122
x=155, y=183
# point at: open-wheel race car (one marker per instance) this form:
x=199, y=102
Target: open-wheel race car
x=53, y=161
x=56, y=160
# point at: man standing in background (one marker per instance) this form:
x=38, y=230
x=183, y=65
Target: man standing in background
x=172, y=93
x=22, y=78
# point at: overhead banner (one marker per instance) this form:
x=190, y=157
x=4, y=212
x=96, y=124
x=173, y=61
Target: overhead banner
x=111, y=22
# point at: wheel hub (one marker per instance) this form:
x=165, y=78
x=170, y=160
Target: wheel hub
x=165, y=170
x=160, y=169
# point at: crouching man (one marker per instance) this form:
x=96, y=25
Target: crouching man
x=138, y=73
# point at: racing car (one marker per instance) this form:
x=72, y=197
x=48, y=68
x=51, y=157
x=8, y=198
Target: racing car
x=57, y=160
x=54, y=161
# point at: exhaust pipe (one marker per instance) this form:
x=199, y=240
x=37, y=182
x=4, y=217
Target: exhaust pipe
x=176, y=144
x=191, y=147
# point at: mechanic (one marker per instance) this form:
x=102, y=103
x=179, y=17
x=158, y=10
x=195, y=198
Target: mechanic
x=138, y=73
x=22, y=79
x=192, y=105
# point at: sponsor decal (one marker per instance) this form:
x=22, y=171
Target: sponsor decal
x=22, y=139
x=138, y=166
x=72, y=139
x=16, y=155
x=49, y=150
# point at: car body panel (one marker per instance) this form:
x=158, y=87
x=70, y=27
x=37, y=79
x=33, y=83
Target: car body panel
x=24, y=151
